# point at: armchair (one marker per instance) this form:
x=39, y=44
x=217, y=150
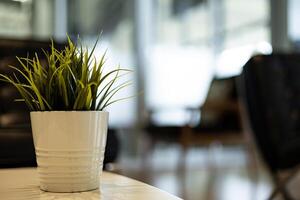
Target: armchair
x=270, y=91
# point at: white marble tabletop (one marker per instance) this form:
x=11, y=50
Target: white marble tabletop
x=22, y=183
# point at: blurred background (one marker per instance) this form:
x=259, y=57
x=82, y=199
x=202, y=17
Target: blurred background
x=185, y=133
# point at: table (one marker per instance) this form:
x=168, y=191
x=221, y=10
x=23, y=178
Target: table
x=22, y=183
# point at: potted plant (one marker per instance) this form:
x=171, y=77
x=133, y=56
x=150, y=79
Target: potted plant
x=67, y=98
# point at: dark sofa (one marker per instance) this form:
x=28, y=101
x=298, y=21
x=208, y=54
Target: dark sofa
x=16, y=144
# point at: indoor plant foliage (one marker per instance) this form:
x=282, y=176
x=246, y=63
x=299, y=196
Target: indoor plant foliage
x=67, y=96
x=71, y=80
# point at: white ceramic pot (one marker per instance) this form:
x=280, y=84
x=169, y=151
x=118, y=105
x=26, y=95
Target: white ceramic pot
x=69, y=148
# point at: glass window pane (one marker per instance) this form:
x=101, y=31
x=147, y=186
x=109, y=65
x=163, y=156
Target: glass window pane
x=179, y=68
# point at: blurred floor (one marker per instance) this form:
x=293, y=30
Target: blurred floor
x=213, y=173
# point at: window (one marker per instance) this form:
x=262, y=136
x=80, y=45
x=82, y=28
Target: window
x=194, y=41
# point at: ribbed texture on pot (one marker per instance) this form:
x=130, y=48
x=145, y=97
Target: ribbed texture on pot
x=69, y=149
x=73, y=171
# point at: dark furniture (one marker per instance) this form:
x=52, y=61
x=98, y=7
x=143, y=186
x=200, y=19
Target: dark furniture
x=270, y=90
x=220, y=117
x=219, y=121
x=16, y=144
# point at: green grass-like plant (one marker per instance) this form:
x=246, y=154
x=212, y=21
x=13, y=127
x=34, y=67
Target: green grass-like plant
x=72, y=79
